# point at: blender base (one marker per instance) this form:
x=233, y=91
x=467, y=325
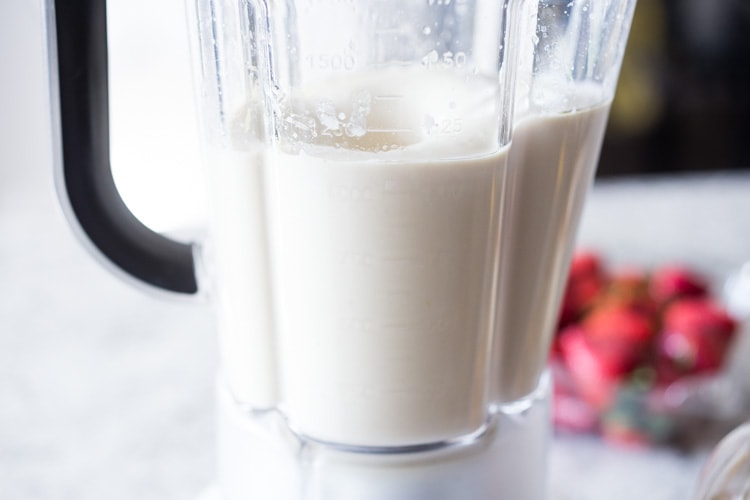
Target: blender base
x=260, y=459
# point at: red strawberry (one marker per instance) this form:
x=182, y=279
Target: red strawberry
x=630, y=283
x=580, y=295
x=585, y=264
x=695, y=338
x=594, y=368
x=629, y=287
x=586, y=280
x=674, y=281
x=700, y=315
x=681, y=354
x=620, y=323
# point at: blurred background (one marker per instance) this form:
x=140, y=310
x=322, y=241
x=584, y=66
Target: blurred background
x=683, y=101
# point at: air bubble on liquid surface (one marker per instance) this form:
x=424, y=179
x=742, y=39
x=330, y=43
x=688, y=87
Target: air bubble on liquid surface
x=357, y=125
x=298, y=128
x=325, y=111
x=354, y=129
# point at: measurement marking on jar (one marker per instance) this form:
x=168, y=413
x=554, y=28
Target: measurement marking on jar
x=446, y=59
x=388, y=100
x=389, y=130
x=345, y=61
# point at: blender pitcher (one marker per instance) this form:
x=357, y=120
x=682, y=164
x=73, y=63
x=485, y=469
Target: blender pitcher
x=355, y=156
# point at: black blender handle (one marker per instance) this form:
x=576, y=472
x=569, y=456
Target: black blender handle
x=78, y=39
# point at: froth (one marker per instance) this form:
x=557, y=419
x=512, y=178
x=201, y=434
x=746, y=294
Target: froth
x=398, y=114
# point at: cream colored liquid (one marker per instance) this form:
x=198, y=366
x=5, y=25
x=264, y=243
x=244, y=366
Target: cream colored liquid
x=387, y=217
x=385, y=296
x=385, y=196
x=239, y=255
x=551, y=165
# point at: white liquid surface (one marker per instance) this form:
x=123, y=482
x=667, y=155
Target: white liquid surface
x=551, y=165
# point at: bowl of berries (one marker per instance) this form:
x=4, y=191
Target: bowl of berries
x=634, y=348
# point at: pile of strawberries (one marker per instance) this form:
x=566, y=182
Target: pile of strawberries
x=628, y=334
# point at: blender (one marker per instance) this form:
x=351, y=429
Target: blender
x=364, y=189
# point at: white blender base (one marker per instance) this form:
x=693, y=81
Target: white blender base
x=259, y=459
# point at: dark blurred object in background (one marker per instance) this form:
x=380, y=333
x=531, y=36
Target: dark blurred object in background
x=683, y=101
